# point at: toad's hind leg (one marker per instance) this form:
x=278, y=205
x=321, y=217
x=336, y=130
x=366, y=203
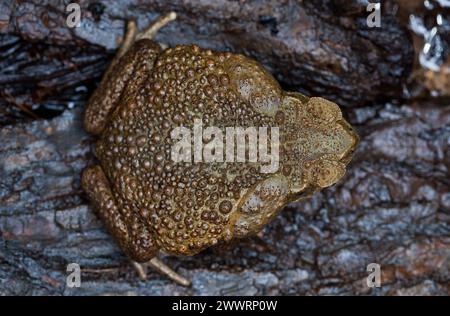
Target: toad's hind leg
x=132, y=63
x=162, y=268
x=122, y=227
x=129, y=232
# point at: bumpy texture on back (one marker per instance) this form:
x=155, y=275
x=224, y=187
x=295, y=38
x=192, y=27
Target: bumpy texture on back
x=184, y=207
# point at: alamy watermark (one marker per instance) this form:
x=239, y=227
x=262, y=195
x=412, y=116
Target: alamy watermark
x=237, y=144
x=374, y=278
x=374, y=18
x=74, y=277
x=74, y=17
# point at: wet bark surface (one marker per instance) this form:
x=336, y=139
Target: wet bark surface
x=392, y=207
x=317, y=47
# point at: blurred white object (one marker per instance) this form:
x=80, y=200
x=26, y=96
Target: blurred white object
x=435, y=50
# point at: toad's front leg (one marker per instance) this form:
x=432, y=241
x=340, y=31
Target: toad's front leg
x=127, y=71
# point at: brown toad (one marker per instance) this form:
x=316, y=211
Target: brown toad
x=151, y=200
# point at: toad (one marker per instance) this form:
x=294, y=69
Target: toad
x=155, y=195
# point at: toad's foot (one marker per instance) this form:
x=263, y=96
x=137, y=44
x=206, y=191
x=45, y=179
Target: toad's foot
x=132, y=35
x=154, y=27
x=162, y=268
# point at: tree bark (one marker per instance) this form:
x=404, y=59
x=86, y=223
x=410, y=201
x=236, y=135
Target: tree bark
x=316, y=47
